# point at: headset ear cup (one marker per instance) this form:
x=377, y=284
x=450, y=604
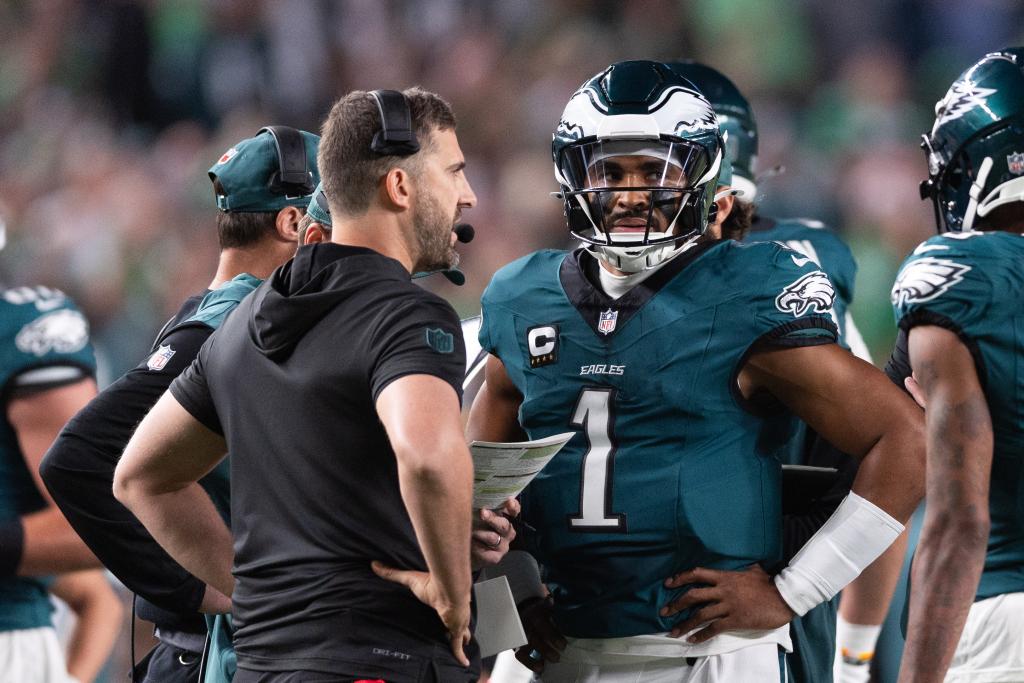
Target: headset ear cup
x=712, y=213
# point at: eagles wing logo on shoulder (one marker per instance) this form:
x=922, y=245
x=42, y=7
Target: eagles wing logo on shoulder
x=812, y=292
x=63, y=331
x=925, y=279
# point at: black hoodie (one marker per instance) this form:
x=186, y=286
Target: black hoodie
x=291, y=379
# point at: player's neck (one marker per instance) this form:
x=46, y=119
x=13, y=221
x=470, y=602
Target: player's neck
x=615, y=283
x=381, y=231
x=259, y=261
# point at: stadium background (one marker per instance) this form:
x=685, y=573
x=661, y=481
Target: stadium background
x=112, y=110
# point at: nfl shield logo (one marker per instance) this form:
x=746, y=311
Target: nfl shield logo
x=1015, y=162
x=226, y=156
x=158, y=361
x=606, y=321
x=440, y=341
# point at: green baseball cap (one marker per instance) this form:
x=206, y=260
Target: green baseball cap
x=318, y=209
x=274, y=169
x=725, y=175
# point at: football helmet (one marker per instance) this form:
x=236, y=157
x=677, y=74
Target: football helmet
x=975, y=150
x=637, y=153
x=735, y=119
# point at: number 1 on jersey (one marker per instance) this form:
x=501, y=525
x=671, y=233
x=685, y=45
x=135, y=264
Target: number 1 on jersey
x=594, y=414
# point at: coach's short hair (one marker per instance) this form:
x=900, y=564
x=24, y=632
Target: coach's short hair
x=349, y=170
x=245, y=229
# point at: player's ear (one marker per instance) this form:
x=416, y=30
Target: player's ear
x=396, y=189
x=287, y=224
x=724, y=201
x=316, y=233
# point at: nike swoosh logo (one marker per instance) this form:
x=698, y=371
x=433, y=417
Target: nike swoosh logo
x=800, y=261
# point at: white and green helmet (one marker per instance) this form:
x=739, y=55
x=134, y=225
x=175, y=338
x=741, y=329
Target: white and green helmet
x=735, y=118
x=637, y=153
x=975, y=149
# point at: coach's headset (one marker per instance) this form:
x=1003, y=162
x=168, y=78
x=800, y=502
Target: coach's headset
x=293, y=177
x=396, y=137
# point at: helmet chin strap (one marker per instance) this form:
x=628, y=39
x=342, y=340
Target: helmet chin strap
x=975, y=193
x=649, y=258
x=1005, y=193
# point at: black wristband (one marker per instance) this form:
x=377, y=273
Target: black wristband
x=12, y=545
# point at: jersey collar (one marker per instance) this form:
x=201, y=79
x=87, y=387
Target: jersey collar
x=605, y=315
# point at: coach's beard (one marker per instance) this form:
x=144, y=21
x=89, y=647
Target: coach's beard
x=434, y=236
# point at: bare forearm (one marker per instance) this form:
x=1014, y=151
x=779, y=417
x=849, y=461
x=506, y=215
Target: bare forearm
x=951, y=552
x=439, y=502
x=187, y=525
x=52, y=546
x=945, y=578
x=93, y=638
x=890, y=474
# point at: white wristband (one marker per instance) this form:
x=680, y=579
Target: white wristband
x=851, y=539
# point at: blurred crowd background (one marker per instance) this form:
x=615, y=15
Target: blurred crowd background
x=112, y=110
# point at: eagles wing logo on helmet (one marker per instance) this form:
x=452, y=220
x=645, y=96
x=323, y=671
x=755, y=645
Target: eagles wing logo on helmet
x=812, y=291
x=961, y=98
x=702, y=120
x=925, y=279
x=570, y=130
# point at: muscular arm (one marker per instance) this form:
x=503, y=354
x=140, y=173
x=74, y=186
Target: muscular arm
x=51, y=546
x=495, y=412
x=421, y=416
x=857, y=409
x=156, y=479
x=79, y=472
x=951, y=551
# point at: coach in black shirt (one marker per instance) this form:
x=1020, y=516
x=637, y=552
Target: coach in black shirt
x=336, y=387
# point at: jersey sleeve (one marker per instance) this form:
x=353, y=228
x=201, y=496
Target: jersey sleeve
x=499, y=304
x=78, y=470
x=422, y=338
x=897, y=368
x=794, y=305
x=942, y=283
x=191, y=390
x=46, y=340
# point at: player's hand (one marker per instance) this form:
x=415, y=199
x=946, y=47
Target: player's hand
x=728, y=601
x=493, y=533
x=915, y=390
x=214, y=602
x=454, y=615
x=544, y=642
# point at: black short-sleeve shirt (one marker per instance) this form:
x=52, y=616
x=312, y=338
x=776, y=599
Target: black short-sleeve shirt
x=291, y=381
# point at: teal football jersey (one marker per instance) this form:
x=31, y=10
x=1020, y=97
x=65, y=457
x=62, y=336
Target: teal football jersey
x=212, y=311
x=43, y=336
x=816, y=241
x=973, y=283
x=670, y=468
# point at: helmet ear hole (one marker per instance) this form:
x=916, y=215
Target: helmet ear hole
x=955, y=177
